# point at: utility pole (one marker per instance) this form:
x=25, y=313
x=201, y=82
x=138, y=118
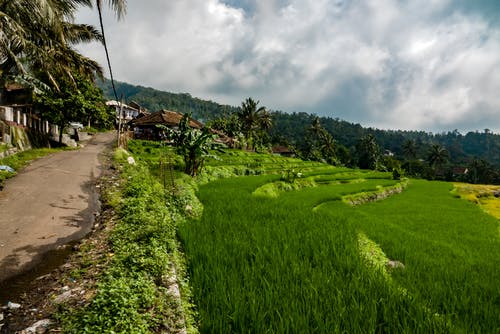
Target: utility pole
x=120, y=121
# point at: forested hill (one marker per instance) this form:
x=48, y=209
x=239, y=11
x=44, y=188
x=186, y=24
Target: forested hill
x=155, y=100
x=291, y=127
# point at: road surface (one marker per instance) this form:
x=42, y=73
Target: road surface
x=51, y=202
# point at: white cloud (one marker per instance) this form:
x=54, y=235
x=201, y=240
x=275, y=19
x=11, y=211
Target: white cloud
x=409, y=65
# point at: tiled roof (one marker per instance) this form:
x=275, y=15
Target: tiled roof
x=164, y=117
x=282, y=149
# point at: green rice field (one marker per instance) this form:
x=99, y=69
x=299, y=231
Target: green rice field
x=289, y=259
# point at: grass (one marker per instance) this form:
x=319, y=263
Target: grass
x=275, y=266
x=134, y=292
x=304, y=261
x=3, y=147
x=450, y=250
x=272, y=255
x=484, y=195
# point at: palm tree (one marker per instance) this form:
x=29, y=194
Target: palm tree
x=368, y=152
x=36, y=39
x=410, y=152
x=437, y=156
x=265, y=120
x=327, y=146
x=249, y=116
x=315, y=128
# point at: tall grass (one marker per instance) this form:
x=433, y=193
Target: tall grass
x=292, y=263
x=275, y=266
x=450, y=248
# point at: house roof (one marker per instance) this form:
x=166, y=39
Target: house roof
x=164, y=117
x=114, y=103
x=137, y=106
x=14, y=86
x=282, y=149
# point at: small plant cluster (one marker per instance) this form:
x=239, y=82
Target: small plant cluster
x=134, y=295
x=382, y=192
x=290, y=174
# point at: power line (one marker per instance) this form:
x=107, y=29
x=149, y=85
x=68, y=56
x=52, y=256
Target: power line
x=106, y=49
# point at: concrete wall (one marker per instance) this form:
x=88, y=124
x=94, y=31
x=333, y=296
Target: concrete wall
x=7, y=114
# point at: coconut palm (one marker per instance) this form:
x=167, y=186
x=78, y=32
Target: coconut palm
x=36, y=39
x=437, y=155
x=315, y=129
x=265, y=120
x=327, y=147
x=250, y=116
x=410, y=152
x=368, y=153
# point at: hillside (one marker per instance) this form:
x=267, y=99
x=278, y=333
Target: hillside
x=155, y=100
x=291, y=128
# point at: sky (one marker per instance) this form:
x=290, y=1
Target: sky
x=431, y=65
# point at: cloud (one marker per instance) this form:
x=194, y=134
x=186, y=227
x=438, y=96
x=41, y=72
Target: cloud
x=383, y=63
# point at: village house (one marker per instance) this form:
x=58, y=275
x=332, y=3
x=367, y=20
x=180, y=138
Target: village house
x=16, y=112
x=145, y=127
x=283, y=151
x=128, y=112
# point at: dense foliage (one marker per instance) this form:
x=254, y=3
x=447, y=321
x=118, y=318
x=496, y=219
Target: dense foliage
x=191, y=144
x=37, y=52
x=80, y=100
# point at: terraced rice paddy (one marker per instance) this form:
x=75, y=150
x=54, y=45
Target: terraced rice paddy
x=305, y=261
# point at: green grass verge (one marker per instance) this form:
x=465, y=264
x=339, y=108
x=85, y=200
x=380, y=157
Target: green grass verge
x=134, y=293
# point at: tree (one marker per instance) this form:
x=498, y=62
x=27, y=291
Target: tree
x=328, y=148
x=192, y=145
x=410, y=152
x=36, y=42
x=321, y=145
x=480, y=171
x=368, y=152
x=316, y=129
x=80, y=101
x=251, y=118
x=265, y=120
x=437, y=155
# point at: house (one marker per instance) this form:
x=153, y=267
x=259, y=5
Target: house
x=284, y=151
x=145, y=127
x=16, y=111
x=128, y=112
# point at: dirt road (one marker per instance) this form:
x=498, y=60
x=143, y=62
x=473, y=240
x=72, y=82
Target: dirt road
x=51, y=202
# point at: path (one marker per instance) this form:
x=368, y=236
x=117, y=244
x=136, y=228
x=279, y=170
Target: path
x=50, y=203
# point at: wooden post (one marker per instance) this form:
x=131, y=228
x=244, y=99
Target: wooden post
x=120, y=120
